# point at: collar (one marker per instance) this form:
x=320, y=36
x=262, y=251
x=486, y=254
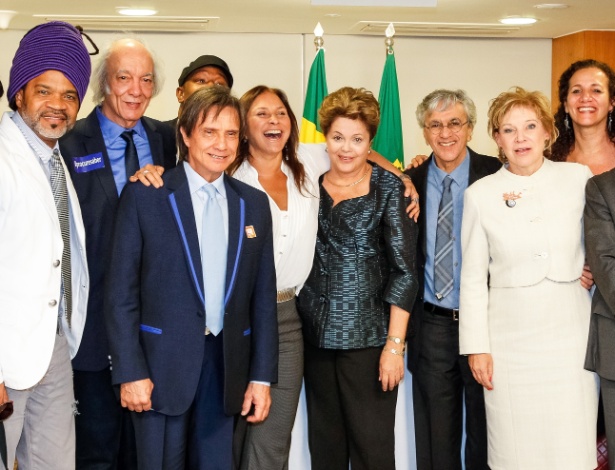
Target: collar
x=458, y=175
x=196, y=182
x=40, y=148
x=112, y=131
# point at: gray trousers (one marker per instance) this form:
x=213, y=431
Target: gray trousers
x=267, y=444
x=41, y=431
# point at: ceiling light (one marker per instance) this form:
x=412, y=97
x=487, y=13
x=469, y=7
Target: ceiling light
x=5, y=18
x=551, y=6
x=136, y=11
x=518, y=20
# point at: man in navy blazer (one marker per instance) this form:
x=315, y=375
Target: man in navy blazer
x=123, y=82
x=185, y=384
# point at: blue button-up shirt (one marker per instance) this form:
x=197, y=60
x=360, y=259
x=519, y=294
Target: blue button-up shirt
x=435, y=176
x=116, y=147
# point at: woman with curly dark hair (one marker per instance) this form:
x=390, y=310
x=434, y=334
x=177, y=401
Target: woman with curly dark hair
x=584, y=118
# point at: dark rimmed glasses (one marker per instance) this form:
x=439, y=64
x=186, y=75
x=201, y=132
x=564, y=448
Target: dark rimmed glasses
x=437, y=127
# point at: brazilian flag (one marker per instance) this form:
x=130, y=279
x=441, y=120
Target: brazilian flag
x=389, y=141
x=311, y=133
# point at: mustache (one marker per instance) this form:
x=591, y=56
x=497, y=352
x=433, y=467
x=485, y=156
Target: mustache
x=54, y=114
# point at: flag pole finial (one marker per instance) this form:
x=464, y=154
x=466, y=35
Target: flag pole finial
x=318, y=40
x=389, y=41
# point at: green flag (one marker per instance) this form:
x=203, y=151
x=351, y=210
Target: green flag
x=389, y=140
x=316, y=91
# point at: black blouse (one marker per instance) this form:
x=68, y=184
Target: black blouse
x=364, y=262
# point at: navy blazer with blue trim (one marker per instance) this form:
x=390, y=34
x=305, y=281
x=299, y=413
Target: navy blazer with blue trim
x=154, y=308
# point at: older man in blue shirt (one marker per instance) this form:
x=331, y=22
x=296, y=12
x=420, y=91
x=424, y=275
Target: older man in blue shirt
x=441, y=378
x=102, y=152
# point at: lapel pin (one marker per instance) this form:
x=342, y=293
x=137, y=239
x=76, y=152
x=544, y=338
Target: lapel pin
x=511, y=198
x=250, y=232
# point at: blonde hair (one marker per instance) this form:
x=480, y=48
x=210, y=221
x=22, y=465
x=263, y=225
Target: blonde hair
x=351, y=103
x=518, y=97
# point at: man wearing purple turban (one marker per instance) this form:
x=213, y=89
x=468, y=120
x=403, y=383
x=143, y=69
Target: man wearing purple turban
x=44, y=279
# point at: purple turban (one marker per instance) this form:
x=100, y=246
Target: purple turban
x=50, y=46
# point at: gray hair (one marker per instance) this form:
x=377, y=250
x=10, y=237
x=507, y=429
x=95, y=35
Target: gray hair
x=441, y=100
x=99, y=84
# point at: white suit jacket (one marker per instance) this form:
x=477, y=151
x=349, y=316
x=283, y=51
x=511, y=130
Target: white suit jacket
x=539, y=238
x=30, y=273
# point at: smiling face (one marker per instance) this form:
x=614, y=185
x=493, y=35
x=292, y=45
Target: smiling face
x=522, y=137
x=130, y=83
x=449, y=148
x=348, y=143
x=212, y=144
x=201, y=78
x=48, y=104
x=268, y=125
x=588, y=102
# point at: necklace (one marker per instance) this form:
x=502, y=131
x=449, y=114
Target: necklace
x=351, y=184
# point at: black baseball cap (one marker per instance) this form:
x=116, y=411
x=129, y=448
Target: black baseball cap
x=204, y=61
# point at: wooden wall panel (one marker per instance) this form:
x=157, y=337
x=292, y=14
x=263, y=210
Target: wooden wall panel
x=599, y=45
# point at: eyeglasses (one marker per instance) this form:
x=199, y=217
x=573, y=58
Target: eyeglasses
x=437, y=127
x=6, y=410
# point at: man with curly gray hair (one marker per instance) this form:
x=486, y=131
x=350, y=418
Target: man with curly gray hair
x=102, y=152
x=441, y=379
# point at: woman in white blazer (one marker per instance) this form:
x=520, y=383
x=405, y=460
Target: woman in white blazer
x=524, y=314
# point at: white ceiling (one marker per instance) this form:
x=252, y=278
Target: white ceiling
x=473, y=18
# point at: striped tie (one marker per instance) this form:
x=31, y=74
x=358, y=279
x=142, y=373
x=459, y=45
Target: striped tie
x=60, y=196
x=443, y=265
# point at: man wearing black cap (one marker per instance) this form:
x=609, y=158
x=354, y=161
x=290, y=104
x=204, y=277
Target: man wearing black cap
x=43, y=271
x=101, y=152
x=207, y=70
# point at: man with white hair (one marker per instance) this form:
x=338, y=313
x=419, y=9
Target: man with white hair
x=102, y=152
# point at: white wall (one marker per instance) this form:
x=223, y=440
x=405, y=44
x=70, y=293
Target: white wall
x=483, y=67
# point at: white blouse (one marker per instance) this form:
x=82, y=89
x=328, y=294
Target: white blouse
x=294, y=230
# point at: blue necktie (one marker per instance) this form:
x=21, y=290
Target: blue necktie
x=443, y=265
x=213, y=257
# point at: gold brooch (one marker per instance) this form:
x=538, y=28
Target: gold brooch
x=511, y=198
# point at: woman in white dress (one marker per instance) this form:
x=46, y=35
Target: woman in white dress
x=524, y=314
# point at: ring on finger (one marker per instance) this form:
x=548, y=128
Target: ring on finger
x=145, y=172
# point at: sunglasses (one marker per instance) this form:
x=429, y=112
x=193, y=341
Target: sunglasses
x=6, y=410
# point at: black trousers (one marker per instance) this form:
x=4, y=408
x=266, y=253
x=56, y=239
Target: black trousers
x=104, y=433
x=2, y=446
x=442, y=381
x=607, y=388
x=350, y=418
